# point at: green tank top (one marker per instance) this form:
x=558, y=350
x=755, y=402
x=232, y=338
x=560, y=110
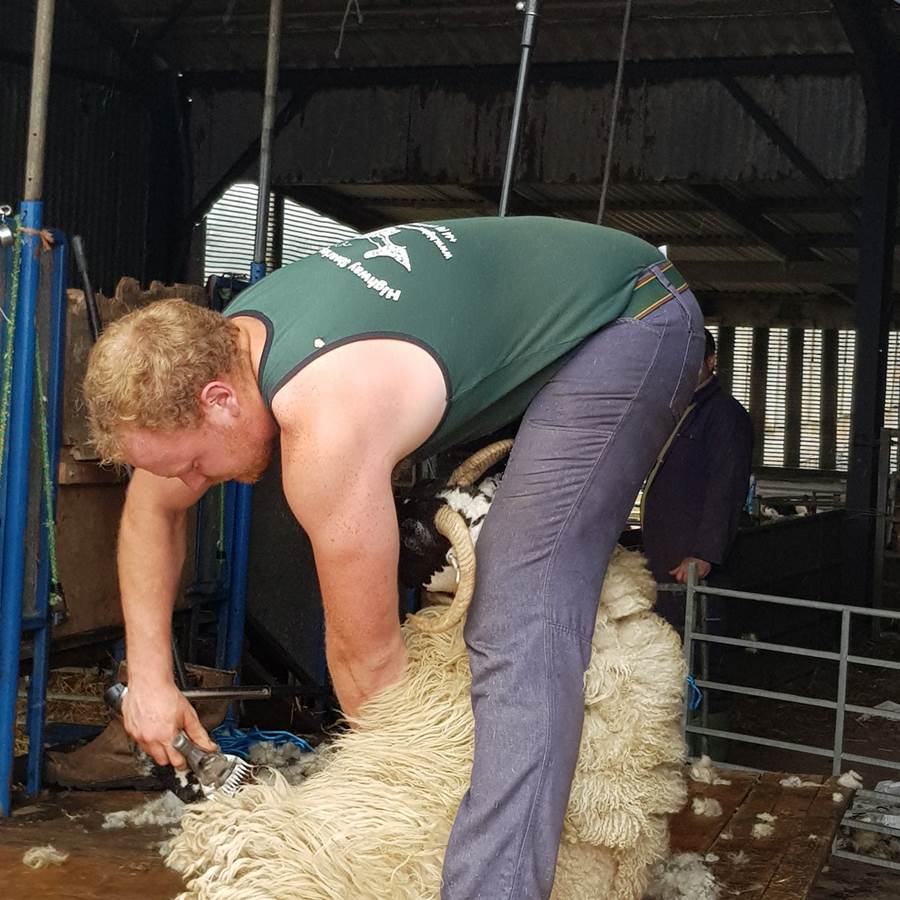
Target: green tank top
x=498, y=303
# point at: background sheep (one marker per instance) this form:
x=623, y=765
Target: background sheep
x=375, y=821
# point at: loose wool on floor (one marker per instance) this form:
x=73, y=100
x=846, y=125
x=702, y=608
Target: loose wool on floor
x=374, y=821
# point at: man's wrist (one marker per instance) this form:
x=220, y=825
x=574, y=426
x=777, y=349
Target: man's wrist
x=149, y=675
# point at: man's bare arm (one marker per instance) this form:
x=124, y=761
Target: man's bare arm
x=151, y=553
x=346, y=420
x=345, y=504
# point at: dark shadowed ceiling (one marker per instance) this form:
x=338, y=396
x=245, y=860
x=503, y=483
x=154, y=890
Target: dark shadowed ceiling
x=759, y=188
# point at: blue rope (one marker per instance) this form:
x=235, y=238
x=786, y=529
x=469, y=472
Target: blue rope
x=696, y=695
x=238, y=741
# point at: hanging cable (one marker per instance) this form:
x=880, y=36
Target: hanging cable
x=617, y=90
x=359, y=21
x=58, y=610
x=10, y=337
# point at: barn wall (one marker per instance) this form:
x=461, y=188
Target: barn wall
x=99, y=147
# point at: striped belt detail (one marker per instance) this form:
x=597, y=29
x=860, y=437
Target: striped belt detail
x=650, y=293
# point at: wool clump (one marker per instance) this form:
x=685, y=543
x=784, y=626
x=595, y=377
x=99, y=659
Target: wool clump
x=164, y=810
x=704, y=772
x=684, y=876
x=41, y=857
x=851, y=779
x=706, y=806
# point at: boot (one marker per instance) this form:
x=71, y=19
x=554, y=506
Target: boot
x=113, y=761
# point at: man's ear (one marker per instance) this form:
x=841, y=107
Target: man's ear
x=217, y=398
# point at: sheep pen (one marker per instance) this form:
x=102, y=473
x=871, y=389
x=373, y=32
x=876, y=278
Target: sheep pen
x=374, y=820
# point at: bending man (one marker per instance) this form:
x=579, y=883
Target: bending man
x=408, y=341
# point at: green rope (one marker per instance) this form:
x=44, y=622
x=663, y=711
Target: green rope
x=58, y=611
x=10, y=334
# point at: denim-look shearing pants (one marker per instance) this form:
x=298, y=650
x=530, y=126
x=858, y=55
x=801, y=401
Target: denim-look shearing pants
x=586, y=443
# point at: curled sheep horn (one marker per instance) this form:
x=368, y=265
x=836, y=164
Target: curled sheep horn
x=453, y=527
x=468, y=472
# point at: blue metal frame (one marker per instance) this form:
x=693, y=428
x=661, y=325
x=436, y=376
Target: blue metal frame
x=17, y=478
x=238, y=509
x=56, y=354
x=237, y=593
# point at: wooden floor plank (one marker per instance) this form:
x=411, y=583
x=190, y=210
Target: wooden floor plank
x=780, y=866
x=691, y=833
x=810, y=848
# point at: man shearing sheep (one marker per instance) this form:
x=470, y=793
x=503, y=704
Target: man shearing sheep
x=407, y=341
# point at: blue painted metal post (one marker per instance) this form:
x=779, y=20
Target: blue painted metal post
x=227, y=501
x=56, y=353
x=19, y=436
x=237, y=596
x=242, y=493
x=17, y=473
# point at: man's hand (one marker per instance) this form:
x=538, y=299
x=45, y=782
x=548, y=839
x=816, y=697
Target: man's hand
x=153, y=716
x=680, y=572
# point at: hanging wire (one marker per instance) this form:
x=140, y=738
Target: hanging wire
x=359, y=21
x=607, y=168
x=10, y=336
x=58, y=610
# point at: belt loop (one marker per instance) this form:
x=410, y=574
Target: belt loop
x=664, y=280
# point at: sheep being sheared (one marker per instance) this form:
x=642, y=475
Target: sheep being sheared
x=374, y=822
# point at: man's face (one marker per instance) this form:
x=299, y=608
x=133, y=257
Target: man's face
x=707, y=368
x=213, y=451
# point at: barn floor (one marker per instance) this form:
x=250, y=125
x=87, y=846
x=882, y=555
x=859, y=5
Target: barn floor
x=788, y=863
x=120, y=864
x=125, y=863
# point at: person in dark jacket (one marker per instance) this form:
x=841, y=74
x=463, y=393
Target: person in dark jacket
x=694, y=497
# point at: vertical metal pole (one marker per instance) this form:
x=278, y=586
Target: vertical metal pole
x=873, y=312
x=614, y=115
x=242, y=493
x=56, y=351
x=13, y=567
x=258, y=268
x=40, y=89
x=704, y=668
x=841, y=694
x=882, y=511
x=529, y=29
x=689, y=614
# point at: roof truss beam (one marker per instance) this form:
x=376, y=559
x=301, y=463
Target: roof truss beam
x=816, y=272
x=598, y=73
x=723, y=200
x=336, y=205
x=777, y=135
x=248, y=157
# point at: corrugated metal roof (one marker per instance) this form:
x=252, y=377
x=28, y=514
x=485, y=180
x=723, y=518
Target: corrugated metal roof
x=100, y=141
x=216, y=35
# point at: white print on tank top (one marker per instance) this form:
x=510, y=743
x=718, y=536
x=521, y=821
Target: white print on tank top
x=438, y=235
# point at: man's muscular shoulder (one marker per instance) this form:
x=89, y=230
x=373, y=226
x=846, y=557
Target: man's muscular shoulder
x=388, y=394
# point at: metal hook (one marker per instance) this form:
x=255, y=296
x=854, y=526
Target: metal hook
x=6, y=233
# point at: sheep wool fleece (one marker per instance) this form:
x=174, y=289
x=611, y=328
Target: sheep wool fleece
x=559, y=775
x=498, y=303
x=372, y=819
